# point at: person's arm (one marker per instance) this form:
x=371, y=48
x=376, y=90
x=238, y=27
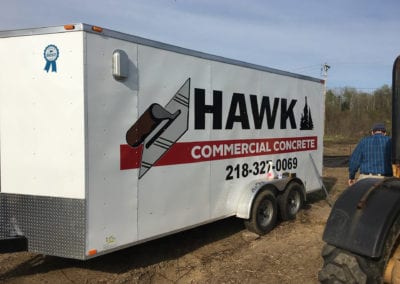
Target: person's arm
x=354, y=163
x=388, y=157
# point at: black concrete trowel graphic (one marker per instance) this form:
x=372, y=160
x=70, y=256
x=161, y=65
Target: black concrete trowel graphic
x=158, y=128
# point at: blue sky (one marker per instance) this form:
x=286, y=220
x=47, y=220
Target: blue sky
x=359, y=39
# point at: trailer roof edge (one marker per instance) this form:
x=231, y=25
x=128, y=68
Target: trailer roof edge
x=153, y=43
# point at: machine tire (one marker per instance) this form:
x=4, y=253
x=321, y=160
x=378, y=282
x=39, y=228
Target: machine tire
x=291, y=201
x=264, y=213
x=342, y=266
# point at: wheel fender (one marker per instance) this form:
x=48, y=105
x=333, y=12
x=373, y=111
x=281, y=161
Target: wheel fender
x=362, y=216
x=249, y=193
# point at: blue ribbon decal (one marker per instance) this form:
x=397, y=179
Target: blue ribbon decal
x=51, y=54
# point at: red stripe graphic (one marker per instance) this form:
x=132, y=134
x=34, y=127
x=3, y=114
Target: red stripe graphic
x=194, y=152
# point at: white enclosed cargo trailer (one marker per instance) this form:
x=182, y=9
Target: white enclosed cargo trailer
x=108, y=140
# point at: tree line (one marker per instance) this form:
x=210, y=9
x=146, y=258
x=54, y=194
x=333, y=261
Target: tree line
x=350, y=113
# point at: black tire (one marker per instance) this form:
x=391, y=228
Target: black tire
x=342, y=266
x=264, y=213
x=291, y=201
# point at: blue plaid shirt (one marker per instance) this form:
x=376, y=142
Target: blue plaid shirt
x=372, y=156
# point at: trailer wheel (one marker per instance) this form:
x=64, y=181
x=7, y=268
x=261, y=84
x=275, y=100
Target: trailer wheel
x=264, y=213
x=342, y=266
x=291, y=201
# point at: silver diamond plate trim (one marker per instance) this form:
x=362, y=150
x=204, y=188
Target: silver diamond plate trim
x=53, y=226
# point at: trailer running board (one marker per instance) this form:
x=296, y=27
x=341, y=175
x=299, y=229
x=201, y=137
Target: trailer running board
x=13, y=244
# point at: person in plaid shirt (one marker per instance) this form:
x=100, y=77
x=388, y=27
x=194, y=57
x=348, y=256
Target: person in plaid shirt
x=372, y=156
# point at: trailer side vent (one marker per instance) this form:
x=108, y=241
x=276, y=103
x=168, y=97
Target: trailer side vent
x=120, y=65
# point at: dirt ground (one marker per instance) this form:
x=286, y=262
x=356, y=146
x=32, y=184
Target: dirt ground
x=221, y=252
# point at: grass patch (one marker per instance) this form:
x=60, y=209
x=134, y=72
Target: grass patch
x=337, y=139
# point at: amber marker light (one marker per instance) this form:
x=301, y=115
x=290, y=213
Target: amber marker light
x=92, y=252
x=69, y=27
x=97, y=29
